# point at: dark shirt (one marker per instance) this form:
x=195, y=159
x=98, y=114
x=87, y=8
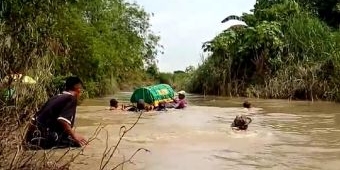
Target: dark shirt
x=59, y=107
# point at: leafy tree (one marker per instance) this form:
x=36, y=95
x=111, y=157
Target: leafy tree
x=326, y=10
x=189, y=69
x=152, y=70
x=179, y=72
x=283, y=51
x=111, y=38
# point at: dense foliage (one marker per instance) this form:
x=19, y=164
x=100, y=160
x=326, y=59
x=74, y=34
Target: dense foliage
x=285, y=51
x=107, y=43
x=110, y=41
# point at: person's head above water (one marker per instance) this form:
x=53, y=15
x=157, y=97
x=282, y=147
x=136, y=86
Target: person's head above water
x=181, y=94
x=247, y=104
x=140, y=104
x=161, y=106
x=114, y=103
x=241, y=122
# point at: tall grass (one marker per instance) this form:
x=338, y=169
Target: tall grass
x=16, y=113
x=310, y=65
x=296, y=59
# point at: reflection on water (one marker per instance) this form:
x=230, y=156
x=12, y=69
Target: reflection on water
x=283, y=135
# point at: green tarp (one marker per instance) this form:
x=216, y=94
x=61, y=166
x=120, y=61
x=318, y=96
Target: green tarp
x=153, y=94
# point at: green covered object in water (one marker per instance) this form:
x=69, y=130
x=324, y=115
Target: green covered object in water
x=153, y=94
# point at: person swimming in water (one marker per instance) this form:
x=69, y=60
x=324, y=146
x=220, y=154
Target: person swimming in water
x=241, y=122
x=247, y=105
x=113, y=104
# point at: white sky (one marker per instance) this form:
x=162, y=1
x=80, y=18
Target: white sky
x=185, y=24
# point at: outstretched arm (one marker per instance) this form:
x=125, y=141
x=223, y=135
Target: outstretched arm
x=69, y=131
x=66, y=119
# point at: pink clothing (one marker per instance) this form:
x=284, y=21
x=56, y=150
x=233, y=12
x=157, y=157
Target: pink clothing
x=180, y=103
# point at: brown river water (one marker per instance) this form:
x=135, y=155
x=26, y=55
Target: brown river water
x=283, y=135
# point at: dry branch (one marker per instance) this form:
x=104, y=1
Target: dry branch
x=110, y=152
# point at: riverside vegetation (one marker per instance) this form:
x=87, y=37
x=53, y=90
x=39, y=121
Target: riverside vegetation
x=287, y=49
x=108, y=44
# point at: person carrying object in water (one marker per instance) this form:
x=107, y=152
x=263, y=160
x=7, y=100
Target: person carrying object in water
x=180, y=102
x=241, y=122
x=51, y=126
x=114, y=105
x=141, y=106
x=161, y=107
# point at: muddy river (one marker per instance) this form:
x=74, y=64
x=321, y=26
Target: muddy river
x=283, y=135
